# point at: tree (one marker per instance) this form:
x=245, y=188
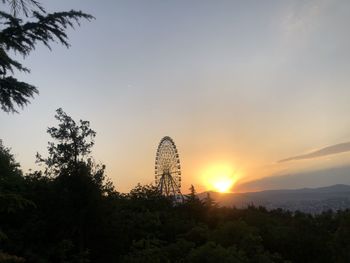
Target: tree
x=26, y=6
x=192, y=196
x=21, y=37
x=79, y=187
x=11, y=183
x=74, y=144
x=212, y=252
x=12, y=201
x=8, y=164
x=209, y=202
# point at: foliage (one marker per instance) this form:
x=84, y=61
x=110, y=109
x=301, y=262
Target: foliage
x=74, y=142
x=8, y=164
x=11, y=183
x=26, y=6
x=6, y=258
x=18, y=36
x=73, y=214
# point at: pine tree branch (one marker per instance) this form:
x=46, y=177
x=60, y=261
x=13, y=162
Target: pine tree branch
x=22, y=37
x=14, y=92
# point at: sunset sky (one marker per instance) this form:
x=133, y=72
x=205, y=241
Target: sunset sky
x=247, y=90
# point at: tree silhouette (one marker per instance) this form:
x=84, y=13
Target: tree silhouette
x=11, y=183
x=21, y=37
x=72, y=214
x=74, y=143
x=25, y=6
x=192, y=196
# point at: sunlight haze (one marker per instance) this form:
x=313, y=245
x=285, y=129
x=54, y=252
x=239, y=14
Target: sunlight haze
x=238, y=85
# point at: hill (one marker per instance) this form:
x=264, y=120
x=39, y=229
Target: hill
x=310, y=200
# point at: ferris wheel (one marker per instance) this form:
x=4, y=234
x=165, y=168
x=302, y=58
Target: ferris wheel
x=168, y=169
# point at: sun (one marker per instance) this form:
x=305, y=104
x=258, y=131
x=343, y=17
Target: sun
x=223, y=186
x=219, y=177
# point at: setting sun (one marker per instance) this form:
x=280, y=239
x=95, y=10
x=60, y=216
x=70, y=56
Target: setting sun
x=223, y=186
x=219, y=177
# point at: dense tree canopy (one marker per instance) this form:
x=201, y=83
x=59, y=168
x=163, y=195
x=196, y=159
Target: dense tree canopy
x=73, y=214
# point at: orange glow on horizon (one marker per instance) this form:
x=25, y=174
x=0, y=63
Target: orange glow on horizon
x=219, y=177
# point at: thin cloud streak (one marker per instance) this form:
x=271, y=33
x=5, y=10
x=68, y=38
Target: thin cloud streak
x=333, y=149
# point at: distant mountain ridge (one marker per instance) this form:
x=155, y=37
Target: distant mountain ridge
x=310, y=200
x=297, y=180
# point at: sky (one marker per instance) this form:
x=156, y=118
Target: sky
x=238, y=85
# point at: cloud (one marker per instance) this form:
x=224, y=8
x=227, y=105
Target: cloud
x=334, y=149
